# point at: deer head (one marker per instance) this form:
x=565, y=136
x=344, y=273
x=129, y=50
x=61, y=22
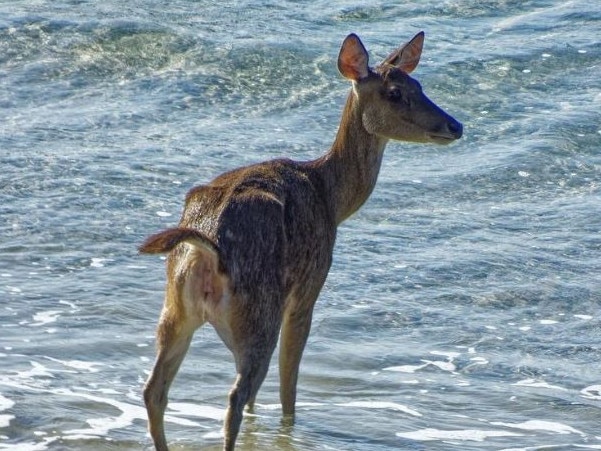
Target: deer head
x=392, y=103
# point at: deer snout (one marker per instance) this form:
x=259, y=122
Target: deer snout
x=455, y=128
x=440, y=127
x=447, y=131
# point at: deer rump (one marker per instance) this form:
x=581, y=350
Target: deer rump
x=263, y=255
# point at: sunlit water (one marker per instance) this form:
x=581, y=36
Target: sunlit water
x=463, y=307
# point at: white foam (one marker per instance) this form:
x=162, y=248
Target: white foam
x=449, y=354
x=5, y=420
x=405, y=368
x=592, y=392
x=163, y=214
x=99, y=262
x=37, y=370
x=538, y=384
x=358, y=404
x=42, y=318
x=105, y=391
x=70, y=304
x=585, y=317
x=298, y=404
x=479, y=360
x=540, y=425
x=445, y=366
x=101, y=426
x=31, y=446
x=5, y=403
x=78, y=364
x=474, y=435
x=196, y=410
x=382, y=405
x=214, y=435
x=548, y=321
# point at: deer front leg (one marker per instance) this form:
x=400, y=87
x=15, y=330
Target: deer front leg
x=173, y=343
x=295, y=331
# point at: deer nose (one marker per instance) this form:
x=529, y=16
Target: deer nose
x=455, y=128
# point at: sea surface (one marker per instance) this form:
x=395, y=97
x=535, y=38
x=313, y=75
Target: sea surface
x=463, y=308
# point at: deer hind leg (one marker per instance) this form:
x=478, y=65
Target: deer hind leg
x=295, y=331
x=248, y=382
x=252, y=349
x=173, y=343
x=182, y=315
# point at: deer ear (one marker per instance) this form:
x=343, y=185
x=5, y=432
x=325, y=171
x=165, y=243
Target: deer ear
x=407, y=57
x=353, y=59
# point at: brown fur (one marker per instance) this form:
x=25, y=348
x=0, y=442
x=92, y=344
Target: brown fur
x=254, y=246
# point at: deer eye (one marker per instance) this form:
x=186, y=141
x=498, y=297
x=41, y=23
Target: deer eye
x=395, y=95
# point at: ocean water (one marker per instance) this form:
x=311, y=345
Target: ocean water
x=463, y=308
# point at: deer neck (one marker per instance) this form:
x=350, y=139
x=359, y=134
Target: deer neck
x=349, y=170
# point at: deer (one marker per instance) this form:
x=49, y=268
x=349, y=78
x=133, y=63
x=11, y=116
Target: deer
x=253, y=248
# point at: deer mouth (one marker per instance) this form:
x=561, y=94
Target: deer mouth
x=441, y=138
x=448, y=133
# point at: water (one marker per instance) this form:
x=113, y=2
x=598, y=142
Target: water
x=463, y=307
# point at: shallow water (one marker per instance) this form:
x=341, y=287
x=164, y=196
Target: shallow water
x=463, y=307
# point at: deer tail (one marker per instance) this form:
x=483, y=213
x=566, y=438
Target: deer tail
x=166, y=241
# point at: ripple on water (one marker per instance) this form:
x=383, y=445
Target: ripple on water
x=470, y=271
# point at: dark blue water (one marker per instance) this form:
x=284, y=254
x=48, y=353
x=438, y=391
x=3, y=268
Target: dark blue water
x=463, y=307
